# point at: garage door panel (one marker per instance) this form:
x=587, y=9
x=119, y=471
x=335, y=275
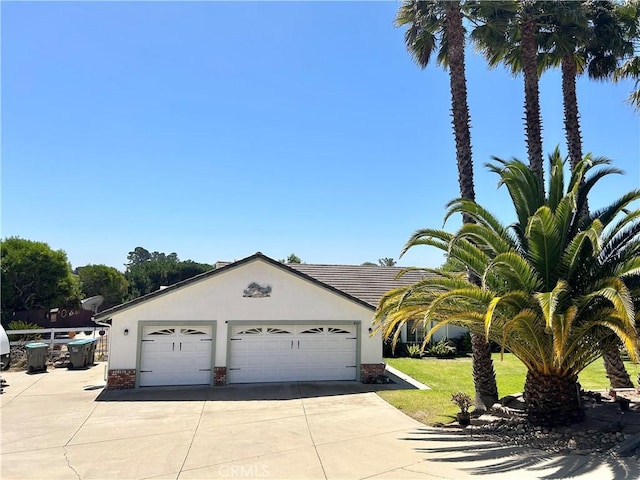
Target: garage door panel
x=153, y=347
x=292, y=353
x=175, y=355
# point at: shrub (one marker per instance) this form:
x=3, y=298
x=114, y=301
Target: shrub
x=414, y=351
x=24, y=337
x=443, y=348
x=462, y=343
x=462, y=401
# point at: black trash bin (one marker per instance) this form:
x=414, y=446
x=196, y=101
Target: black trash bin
x=92, y=352
x=37, y=354
x=79, y=353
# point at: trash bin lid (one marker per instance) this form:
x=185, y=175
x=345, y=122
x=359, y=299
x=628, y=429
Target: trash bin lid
x=36, y=345
x=82, y=341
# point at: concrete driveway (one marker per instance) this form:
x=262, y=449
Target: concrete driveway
x=61, y=425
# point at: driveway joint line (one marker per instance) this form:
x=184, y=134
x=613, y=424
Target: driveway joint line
x=80, y=427
x=241, y=459
x=20, y=392
x=96, y=442
x=193, y=437
x=405, y=468
x=313, y=442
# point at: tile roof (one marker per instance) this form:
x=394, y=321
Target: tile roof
x=365, y=282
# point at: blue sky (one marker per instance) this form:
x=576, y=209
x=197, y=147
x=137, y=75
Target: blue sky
x=216, y=130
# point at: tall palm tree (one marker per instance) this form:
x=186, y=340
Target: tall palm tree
x=509, y=35
x=431, y=24
x=630, y=70
x=629, y=11
x=592, y=36
x=557, y=289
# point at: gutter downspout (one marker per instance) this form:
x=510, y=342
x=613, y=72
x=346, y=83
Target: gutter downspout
x=106, y=366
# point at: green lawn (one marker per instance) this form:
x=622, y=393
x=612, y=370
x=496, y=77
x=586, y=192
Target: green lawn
x=451, y=375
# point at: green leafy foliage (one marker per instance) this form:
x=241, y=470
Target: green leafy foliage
x=23, y=337
x=414, y=351
x=442, y=348
x=105, y=281
x=35, y=276
x=147, y=272
x=293, y=258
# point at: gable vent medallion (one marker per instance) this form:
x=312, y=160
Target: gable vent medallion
x=255, y=290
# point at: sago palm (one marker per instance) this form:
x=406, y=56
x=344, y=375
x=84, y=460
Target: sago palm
x=558, y=289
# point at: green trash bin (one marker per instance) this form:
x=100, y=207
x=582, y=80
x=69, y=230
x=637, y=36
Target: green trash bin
x=37, y=354
x=79, y=353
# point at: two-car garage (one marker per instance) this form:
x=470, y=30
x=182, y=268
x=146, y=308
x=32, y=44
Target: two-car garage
x=286, y=352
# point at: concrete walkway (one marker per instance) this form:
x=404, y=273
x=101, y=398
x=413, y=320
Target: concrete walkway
x=61, y=425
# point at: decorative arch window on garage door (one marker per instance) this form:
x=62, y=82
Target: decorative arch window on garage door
x=163, y=331
x=277, y=331
x=317, y=330
x=322, y=330
x=331, y=330
x=250, y=331
x=192, y=331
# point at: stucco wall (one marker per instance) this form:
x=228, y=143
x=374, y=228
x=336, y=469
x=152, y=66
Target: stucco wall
x=220, y=298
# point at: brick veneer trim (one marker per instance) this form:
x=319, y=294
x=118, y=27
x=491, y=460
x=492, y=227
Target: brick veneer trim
x=121, y=379
x=371, y=370
x=220, y=374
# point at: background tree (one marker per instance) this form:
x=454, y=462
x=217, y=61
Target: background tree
x=293, y=258
x=146, y=272
x=35, y=276
x=137, y=256
x=386, y=262
x=105, y=281
x=433, y=24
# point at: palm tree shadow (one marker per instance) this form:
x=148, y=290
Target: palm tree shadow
x=477, y=456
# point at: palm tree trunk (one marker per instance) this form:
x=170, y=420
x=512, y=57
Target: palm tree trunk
x=571, y=117
x=617, y=374
x=552, y=399
x=484, y=376
x=532, y=98
x=483, y=373
x=459, y=105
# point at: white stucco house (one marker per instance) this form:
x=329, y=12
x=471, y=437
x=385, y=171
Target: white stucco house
x=253, y=320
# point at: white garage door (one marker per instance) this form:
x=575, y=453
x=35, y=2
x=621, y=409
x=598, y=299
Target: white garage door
x=281, y=353
x=175, y=355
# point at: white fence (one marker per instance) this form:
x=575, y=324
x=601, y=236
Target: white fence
x=49, y=334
